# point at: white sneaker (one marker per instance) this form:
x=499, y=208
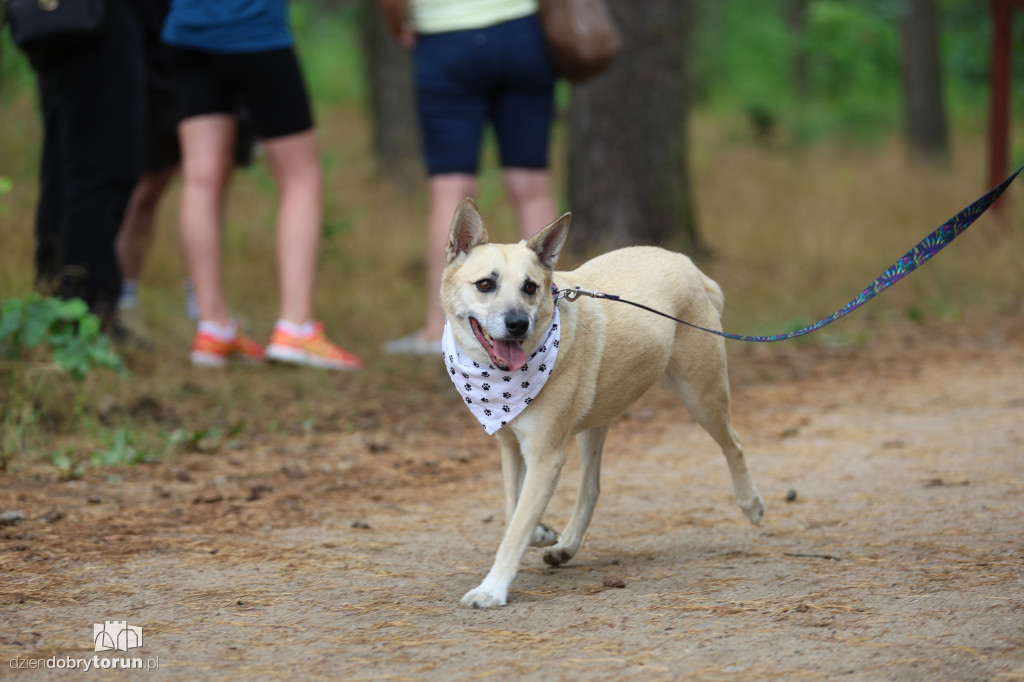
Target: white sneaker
x=413, y=345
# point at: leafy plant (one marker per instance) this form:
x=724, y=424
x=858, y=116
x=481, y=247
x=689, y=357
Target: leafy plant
x=120, y=452
x=66, y=328
x=70, y=466
x=5, y=188
x=208, y=440
x=19, y=418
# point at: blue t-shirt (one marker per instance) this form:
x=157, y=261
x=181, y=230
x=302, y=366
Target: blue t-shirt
x=228, y=25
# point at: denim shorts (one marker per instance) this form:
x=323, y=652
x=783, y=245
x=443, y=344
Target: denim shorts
x=501, y=74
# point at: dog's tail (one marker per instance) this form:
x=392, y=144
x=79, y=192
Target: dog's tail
x=714, y=293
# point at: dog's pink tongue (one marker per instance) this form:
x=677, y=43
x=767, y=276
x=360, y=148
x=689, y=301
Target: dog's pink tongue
x=511, y=352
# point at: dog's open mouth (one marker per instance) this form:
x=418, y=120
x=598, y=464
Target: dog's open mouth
x=508, y=356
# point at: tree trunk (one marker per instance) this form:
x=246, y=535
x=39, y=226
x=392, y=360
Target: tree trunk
x=921, y=65
x=628, y=171
x=392, y=100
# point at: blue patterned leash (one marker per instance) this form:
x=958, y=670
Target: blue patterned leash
x=911, y=260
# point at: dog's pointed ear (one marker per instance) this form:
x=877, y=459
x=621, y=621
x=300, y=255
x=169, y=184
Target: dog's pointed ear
x=548, y=243
x=467, y=230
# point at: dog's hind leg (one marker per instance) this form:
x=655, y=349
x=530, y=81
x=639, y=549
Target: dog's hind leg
x=590, y=445
x=705, y=392
x=513, y=469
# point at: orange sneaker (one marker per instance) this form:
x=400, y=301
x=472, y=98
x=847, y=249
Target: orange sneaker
x=208, y=351
x=314, y=350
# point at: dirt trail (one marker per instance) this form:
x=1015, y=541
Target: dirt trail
x=343, y=556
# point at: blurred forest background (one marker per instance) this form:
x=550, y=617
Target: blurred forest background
x=796, y=147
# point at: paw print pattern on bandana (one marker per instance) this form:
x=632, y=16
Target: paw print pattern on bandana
x=507, y=394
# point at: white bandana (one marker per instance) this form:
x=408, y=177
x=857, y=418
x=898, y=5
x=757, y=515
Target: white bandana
x=494, y=396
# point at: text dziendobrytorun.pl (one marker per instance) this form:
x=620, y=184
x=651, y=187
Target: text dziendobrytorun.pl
x=86, y=664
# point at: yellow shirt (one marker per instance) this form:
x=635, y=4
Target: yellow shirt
x=439, y=16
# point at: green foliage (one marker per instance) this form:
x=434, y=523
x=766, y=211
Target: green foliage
x=126, y=447
x=742, y=56
x=855, y=69
x=331, y=52
x=5, y=188
x=69, y=466
x=207, y=440
x=66, y=329
x=15, y=72
x=966, y=40
x=122, y=451
x=20, y=418
x=855, y=53
x=745, y=51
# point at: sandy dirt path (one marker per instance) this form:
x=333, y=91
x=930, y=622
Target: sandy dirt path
x=892, y=547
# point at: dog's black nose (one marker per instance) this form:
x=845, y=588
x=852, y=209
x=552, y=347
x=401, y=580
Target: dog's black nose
x=517, y=324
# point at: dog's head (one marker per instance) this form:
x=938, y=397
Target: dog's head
x=498, y=296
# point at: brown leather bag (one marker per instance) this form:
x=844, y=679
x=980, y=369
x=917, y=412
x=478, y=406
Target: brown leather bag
x=582, y=36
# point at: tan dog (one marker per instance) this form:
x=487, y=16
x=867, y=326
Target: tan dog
x=499, y=305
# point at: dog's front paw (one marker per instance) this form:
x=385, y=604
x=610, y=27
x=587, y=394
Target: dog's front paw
x=543, y=536
x=482, y=598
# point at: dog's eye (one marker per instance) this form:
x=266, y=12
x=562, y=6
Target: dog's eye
x=485, y=285
x=530, y=288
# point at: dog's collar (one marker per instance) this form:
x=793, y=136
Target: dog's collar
x=496, y=397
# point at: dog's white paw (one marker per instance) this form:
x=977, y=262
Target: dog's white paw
x=543, y=536
x=754, y=509
x=482, y=598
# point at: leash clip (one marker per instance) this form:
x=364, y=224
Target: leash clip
x=574, y=293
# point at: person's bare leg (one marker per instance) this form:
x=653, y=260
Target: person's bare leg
x=295, y=161
x=532, y=198
x=136, y=231
x=206, y=151
x=446, y=191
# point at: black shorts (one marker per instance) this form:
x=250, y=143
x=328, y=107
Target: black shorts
x=162, y=149
x=269, y=85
